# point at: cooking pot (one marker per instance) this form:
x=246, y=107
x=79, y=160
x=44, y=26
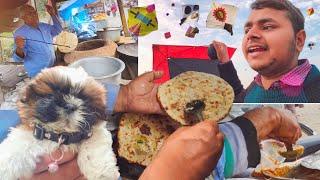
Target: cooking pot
x=112, y=33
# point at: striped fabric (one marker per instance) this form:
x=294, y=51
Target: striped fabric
x=233, y=160
x=293, y=78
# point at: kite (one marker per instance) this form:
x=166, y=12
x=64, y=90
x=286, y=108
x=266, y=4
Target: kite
x=310, y=11
x=191, y=32
x=142, y=20
x=174, y=59
x=222, y=16
x=311, y=45
x=167, y=35
x=190, y=13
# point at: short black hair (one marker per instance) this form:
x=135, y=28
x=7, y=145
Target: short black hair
x=294, y=14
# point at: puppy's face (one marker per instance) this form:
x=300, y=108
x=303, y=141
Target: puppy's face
x=62, y=99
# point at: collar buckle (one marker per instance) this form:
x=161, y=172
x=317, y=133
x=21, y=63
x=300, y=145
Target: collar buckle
x=38, y=132
x=64, y=139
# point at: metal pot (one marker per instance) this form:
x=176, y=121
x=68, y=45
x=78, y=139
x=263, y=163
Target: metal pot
x=112, y=33
x=104, y=69
x=128, y=53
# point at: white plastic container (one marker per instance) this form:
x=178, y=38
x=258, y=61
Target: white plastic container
x=104, y=69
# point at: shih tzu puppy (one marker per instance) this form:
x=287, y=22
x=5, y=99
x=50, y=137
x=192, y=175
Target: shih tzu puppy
x=62, y=109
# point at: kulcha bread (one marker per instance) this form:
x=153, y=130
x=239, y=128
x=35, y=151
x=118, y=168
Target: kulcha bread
x=67, y=39
x=141, y=136
x=216, y=93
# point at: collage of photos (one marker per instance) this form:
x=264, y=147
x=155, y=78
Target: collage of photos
x=159, y=90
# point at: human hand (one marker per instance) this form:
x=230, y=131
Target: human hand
x=20, y=41
x=50, y=10
x=222, y=51
x=140, y=95
x=189, y=153
x=275, y=123
x=68, y=168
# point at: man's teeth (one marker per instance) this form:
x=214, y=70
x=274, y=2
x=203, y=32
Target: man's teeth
x=255, y=48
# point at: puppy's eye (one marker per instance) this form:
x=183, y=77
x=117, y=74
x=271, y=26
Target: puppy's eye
x=60, y=102
x=23, y=99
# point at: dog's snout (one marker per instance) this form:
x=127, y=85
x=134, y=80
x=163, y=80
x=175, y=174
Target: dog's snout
x=69, y=108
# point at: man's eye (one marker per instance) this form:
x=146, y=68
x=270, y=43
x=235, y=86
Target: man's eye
x=267, y=27
x=246, y=31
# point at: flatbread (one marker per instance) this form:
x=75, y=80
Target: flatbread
x=216, y=93
x=141, y=136
x=67, y=39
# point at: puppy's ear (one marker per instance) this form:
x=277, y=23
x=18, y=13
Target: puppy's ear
x=23, y=95
x=27, y=93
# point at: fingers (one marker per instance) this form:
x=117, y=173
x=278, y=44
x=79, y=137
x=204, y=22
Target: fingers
x=69, y=170
x=222, y=51
x=218, y=45
x=158, y=74
x=20, y=41
x=46, y=160
x=215, y=44
x=210, y=125
x=209, y=132
x=50, y=10
x=151, y=76
x=297, y=135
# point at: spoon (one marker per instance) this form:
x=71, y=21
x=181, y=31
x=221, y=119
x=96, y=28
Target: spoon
x=292, y=153
x=195, y=107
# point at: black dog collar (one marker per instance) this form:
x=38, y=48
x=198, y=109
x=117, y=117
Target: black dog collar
x=63, y=138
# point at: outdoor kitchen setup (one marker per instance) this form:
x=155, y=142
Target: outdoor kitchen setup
x=92, y=28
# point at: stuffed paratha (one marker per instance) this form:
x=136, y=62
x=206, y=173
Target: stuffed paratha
x=69, y=40
x=141, y=136
x=216, y=93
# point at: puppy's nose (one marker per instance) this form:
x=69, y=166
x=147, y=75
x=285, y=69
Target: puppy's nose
x=69, y=108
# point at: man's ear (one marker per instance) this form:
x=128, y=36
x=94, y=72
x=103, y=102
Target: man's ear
x=22, y=17
x=300, y=40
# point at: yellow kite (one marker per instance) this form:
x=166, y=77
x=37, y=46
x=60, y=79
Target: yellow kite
x=310, y=11
x=142, y=20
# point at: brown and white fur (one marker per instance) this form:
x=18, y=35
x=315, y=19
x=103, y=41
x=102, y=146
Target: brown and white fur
x=46, y=100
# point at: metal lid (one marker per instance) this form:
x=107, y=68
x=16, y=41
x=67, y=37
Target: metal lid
x=129, y=49
x=112, y=28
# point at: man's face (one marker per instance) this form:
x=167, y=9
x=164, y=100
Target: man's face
x=31, y=17
x=269, y=43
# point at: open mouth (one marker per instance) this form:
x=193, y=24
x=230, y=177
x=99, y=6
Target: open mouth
x=256, y=49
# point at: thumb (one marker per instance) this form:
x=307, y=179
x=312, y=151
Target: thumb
x=151, y=76
x=157, y=74
x=210, y=123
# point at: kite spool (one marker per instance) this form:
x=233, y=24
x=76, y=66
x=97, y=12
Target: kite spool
x=212, y=53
